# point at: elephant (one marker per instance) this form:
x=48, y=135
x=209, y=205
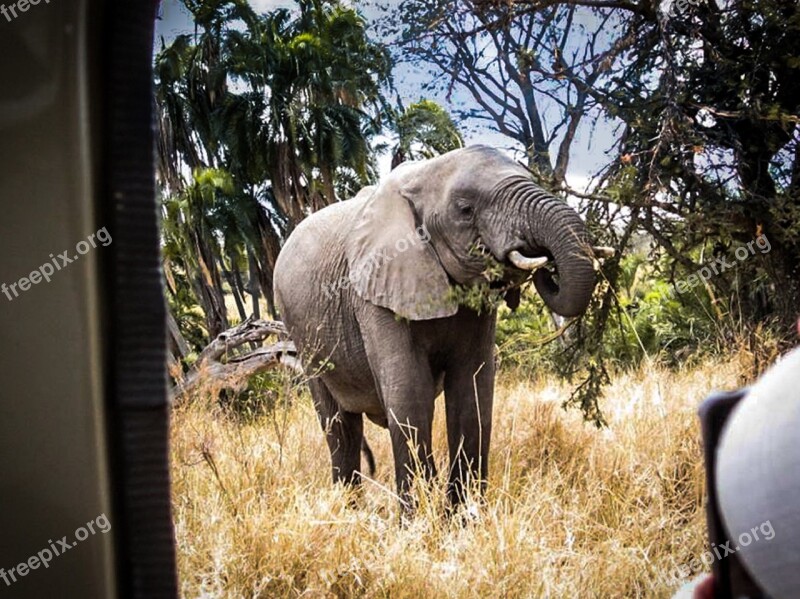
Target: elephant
x=368, y=289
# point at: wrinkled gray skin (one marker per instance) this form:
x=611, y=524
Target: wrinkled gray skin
x=394, y=336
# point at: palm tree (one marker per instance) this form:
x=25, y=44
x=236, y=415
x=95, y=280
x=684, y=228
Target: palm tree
x=425, y=130
x=272, y=114
x=191, y=244
x=322, y=78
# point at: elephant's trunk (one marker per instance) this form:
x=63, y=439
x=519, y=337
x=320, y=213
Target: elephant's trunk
x=550, y=227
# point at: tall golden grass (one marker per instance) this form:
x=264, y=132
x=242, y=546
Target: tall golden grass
x=570, y=511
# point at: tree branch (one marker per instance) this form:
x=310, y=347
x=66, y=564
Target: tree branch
x=240, y=366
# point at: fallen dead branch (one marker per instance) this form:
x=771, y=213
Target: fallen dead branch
x=225, y=362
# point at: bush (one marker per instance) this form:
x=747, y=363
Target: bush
x=649, y=319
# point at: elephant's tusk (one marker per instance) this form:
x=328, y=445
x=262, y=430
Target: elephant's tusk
x=525, y=263
x=603, y=251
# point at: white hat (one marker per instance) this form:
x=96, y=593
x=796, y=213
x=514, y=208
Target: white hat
x=758, y=479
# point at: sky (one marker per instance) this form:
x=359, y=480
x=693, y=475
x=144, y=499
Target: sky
x=590, y=146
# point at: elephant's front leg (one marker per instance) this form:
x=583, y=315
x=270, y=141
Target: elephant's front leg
x=410, y=412
x=407, y=392
x=469, y=393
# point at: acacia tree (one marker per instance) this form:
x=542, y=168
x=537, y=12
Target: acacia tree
x=731, y=151
x=512, y=60
x=705, y=98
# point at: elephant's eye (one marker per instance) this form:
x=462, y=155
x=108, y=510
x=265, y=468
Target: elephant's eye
x=466, y=210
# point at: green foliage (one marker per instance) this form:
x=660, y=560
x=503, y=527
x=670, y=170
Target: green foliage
x=522, y=335
x=425, y=130
x=651, y=321
x=265, y=393
x=481, y=298
x=656, y=322
x=274, y=115
x=485, y=296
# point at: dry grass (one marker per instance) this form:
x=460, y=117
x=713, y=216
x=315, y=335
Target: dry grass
x=571, y=511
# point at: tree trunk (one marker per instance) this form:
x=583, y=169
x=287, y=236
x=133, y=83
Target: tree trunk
x=327, y=184
x=253, y=286
x=210, y=286
x=237, y=295
x=268, y=256
x=178, y=345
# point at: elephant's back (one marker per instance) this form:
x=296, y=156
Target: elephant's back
x=314, y=252
x=317, y=305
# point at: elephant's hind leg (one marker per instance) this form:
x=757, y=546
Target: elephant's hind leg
x=344, y=433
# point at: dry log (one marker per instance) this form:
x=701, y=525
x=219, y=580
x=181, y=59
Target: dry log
x=223, y=361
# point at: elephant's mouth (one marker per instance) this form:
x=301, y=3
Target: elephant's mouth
x=510, y=267
x=521, y=267
x=513, y=258
x=479, y=249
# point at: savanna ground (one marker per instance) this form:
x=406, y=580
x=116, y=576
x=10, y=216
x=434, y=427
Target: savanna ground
x=571, y=510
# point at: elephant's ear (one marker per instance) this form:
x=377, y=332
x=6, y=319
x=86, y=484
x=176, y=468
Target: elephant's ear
x=391, y=262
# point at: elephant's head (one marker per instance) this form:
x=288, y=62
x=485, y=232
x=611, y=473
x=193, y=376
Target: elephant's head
x=466, y=205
